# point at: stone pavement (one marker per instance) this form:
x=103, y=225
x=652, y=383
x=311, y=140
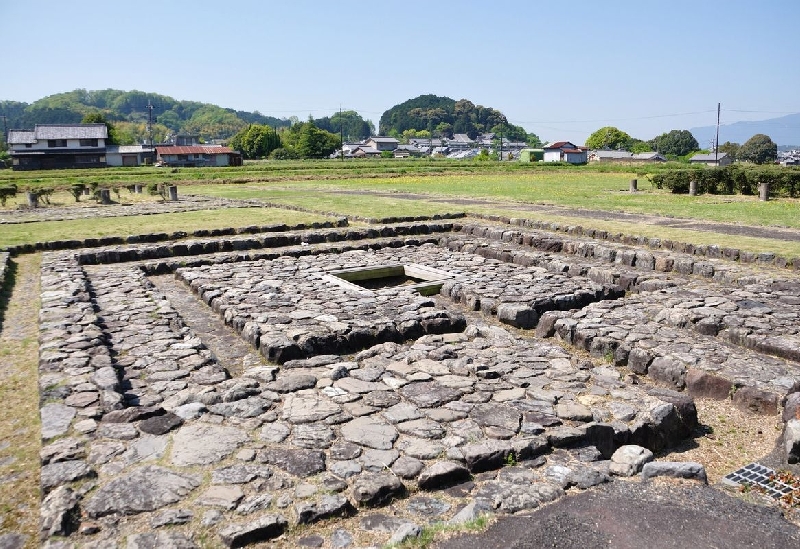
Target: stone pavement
x=384, y=409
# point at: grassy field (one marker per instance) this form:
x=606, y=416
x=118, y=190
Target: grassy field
x=377, y=189
x=24, y=233
x=381, y=188
x=585, y=190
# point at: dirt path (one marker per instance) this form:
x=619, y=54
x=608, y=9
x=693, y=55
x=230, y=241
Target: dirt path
x=19, y=394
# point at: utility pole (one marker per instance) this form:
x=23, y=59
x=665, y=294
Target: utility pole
x=149, y=108
x=5, y=129
x=341, y=133
x=716, y=140
x=502, y=120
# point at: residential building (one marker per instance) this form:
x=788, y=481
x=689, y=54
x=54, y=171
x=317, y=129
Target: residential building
x=565, y=151
x=197, y=156
x=129, y=155
x=649, y=157
x=55, y=146
x=711, y=159
x=625, y=157
x=382, y=143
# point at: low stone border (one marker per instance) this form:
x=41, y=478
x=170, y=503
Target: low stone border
x=54, y=245
x=709, y=251
x=4, y=258
x=187, y=203
x=370, y=220
x=188, y=248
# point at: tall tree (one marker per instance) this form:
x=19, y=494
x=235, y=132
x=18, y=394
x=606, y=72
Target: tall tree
x=98, y=118
x=313, y=142
x=256, y=141
x=675, y=143
x=759, y=149
x=608, y=137
x=731, y=149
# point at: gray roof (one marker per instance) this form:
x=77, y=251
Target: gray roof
x=71, y=131
x=707, y=157
x=383, y=139
x=649, y=156
x=20, y=137
x=58, y=131
x=612, y=154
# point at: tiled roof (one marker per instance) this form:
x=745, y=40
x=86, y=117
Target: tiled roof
x=707, y=157
x=559, y=145
x=71, y=131
x=20, y=137
x=383, y=139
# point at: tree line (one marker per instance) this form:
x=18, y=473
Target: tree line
x=681, y=144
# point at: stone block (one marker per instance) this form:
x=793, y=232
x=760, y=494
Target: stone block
x=791, y=440
x=703, y=384
x=628, y=460
x=756, y=401
x=639, y=360
x=668, y=370
x=518, y=315
x=675, y=469
x=791, y=409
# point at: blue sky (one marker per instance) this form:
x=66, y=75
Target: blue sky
x=559, y=69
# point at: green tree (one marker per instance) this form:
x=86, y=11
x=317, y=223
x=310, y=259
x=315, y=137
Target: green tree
x=675, y=143
x=731, y=149
x=533, y=140
x=349, y=123
x=256, y=141
x=759, y=149
x=638, y=146
x=313, y=142
x=98, y=118
x=608, y=137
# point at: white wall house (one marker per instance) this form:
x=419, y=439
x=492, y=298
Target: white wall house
x=565, y=151
x=54, y=146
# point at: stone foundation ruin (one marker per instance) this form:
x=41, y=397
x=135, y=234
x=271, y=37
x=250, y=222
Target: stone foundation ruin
x=233, y=388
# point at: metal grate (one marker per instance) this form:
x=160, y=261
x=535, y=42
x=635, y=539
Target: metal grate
x=764, y=478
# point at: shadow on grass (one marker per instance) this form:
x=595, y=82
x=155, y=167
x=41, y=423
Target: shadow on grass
x=9, y=279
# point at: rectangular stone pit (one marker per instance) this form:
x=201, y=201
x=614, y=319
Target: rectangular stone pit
x=296, y=307
x=419, y=278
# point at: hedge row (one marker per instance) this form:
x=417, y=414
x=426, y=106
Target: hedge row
x=733, y=179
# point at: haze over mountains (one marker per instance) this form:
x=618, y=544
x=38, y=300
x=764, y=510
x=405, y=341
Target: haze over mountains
x=784, y=131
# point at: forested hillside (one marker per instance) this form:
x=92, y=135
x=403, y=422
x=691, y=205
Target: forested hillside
x=127, y=110
x=443, y=116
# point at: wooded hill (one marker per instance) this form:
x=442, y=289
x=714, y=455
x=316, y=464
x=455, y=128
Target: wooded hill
x=127, y=110
x=443, y=117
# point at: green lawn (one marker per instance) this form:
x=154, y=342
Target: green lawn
x=587, y=190
x=335, y=188
x=24, y=233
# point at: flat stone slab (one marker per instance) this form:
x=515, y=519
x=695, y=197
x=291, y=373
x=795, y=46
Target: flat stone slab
x=145, y=489
x=202, y=444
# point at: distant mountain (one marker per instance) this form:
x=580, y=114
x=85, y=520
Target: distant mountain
x=783, y=131
x=129, y=110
